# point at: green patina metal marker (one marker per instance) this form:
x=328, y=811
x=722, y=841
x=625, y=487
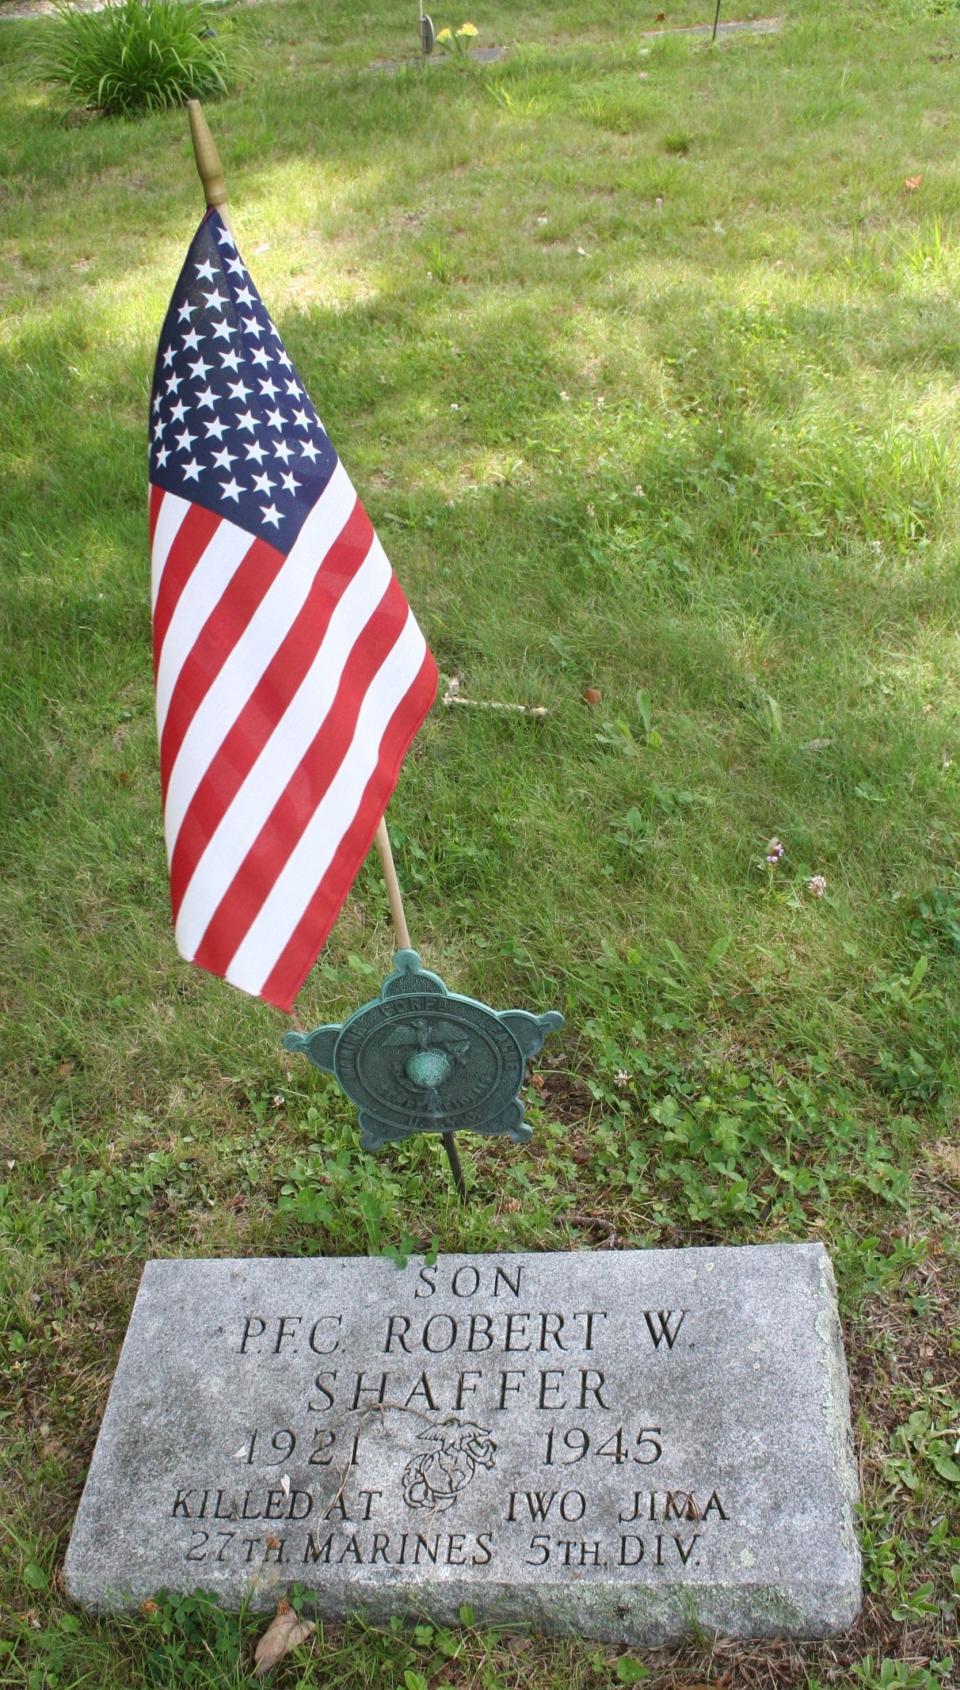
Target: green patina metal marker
x=422, y=1059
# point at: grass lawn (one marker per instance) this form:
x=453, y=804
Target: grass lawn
x=646, y=361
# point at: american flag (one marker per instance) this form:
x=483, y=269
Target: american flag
x=291, y=675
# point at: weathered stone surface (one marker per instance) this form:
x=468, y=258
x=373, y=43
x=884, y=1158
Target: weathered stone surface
x=619, y=1445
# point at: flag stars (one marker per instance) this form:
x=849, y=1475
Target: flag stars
x=225, y=379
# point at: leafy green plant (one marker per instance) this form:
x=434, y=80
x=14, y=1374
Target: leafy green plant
x=135, y=56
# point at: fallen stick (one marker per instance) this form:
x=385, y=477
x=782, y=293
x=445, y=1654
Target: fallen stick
x=453, y=695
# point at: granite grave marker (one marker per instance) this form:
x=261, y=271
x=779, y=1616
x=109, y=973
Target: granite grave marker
x=621, y=1445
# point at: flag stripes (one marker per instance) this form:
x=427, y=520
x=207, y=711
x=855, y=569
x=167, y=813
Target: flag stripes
x=322, y=910
x=259, y=713
x=282, y=748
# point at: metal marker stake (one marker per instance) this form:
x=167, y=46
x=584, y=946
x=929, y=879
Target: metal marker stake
x=716, y=21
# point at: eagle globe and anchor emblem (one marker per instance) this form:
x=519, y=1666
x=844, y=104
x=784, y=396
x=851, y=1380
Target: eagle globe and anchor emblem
x=422, y=1059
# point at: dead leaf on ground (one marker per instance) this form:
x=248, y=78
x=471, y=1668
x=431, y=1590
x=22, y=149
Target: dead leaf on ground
x=285, y=1632
x=591, y=695
x=912, y=183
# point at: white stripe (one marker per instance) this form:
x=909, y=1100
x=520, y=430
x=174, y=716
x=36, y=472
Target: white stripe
x=215, y=569
x=172, y=511
x=281, y=756
x=254, y=651
x=310, y=859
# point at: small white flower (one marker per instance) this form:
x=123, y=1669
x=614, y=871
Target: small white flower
x=621, y=1079
x=817, y=885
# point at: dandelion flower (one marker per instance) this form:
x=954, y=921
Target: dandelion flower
x=444, y=35
x=817, y=885
x=467, y=29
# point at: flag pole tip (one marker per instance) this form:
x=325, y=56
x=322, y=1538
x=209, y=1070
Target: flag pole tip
x=209, y=168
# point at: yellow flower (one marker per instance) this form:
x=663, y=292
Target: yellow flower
x=444, y=35
x=467, y=29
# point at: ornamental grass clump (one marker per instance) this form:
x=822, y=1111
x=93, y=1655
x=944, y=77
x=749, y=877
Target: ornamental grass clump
x=135, y=56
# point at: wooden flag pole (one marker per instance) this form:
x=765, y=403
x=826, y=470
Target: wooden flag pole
x=210, y=171
x=385, y=852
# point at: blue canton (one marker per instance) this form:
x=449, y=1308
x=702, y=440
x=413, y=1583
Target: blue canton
x=231, y=427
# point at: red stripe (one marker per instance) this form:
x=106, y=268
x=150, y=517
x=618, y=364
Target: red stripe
x=268, y=702
x=156, y=500
x=280, y=833
x=227, y=621
x=309, y=936
x=193, y=537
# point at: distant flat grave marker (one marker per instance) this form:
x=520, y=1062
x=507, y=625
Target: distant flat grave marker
x=622, y=1446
